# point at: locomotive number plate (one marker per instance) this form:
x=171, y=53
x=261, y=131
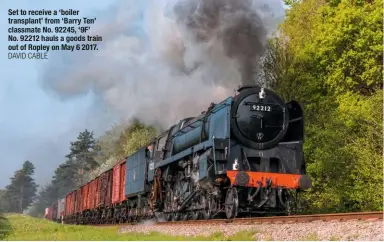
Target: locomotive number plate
x=264, y=108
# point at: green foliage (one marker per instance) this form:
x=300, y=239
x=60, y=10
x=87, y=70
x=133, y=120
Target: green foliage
x=83, y=151
x=5, y=227
x=108, y=143
x=328, y=56
x=65, y=179
x=348, y=46
x=290, y=2
x=135, y=136
x=21, y=192
x=27, y=228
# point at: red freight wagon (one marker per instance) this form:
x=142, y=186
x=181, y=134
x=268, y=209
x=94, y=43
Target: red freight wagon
x=47, y=212
x=50, y=215
x=97, y=192
x=89, y=195
x=122, y=181
x=118, y=182
x=78, y=201
x=69, y=204
x=84, y=197
x=74, y=196
x=106, y=188
x=73, y=202
x=93, y=193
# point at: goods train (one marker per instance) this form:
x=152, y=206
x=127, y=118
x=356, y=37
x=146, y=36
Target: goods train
x=242, y=156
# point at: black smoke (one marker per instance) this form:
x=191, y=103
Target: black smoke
x=168, y=59
x=233, y=24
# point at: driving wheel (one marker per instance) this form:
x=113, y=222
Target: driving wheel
x=207, y=211
x=231, y=203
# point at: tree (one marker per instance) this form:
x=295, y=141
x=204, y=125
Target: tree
x=62, y=183
x=64, y=179
x=290, y=2
x=22, y=190
x=135, y=136
x=82, y=153
x=328, y=55
x=3, y=201
x=109, y=148
x=108, y=142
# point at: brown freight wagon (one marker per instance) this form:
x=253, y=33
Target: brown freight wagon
x=69, y=204
x=118, y=183
x=78, y=201
x=93, y=194
x=106, y=188
x=84, y=197
x=122, y=181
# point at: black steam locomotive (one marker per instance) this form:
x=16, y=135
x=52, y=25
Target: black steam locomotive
x=241, y=156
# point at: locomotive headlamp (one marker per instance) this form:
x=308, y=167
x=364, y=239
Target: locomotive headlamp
x=262, y=93
x=235, y=165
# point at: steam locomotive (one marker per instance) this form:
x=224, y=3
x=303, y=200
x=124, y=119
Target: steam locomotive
x=241, y=156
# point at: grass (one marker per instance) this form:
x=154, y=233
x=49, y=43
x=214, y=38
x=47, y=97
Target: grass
x=334, y=238
x=22, y=227
x=311, y=237
x=5, y=227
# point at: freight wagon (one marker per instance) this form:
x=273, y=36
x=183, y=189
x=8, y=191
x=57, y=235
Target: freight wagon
x=99, y=200
x=56, y=212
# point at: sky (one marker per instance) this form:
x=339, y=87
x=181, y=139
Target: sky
x=36, y=123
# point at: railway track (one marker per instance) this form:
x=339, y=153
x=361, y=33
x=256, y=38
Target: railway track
x=287, y=219
x=274, y=219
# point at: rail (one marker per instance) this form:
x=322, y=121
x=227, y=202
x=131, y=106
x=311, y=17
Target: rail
x=366, y=216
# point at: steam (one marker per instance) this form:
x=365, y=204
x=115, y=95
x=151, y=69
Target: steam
x=170, y=65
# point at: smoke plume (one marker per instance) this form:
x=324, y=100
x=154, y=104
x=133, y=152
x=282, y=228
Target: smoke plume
x=169, y=59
